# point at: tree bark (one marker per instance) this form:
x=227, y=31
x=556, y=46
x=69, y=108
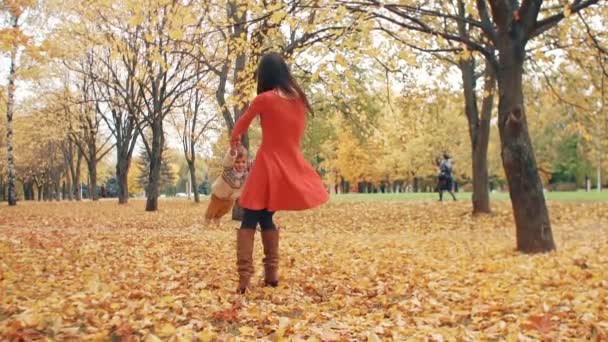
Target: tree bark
x=68, y=188
x=479, y=134
x=533, y=228
x=12, y=193
x=25, y=198
x=57, y=192
x=30, y=191
x=126, y=134
x=76, y=175
x=47, y=192
x=122, y=175
x=152, y=190
x=92, y=166
x=192, y=169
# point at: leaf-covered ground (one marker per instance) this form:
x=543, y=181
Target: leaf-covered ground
x=350, y=271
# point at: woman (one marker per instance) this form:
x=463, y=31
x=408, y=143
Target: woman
x=280, y=179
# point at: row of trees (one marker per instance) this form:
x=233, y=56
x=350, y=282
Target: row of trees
x=134, y=68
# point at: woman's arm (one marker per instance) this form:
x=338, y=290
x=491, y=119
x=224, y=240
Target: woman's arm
x=243, y=123
x=229, y=158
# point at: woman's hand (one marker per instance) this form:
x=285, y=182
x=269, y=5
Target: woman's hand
x=235, y=144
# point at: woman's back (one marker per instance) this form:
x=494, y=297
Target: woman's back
x=283, y=121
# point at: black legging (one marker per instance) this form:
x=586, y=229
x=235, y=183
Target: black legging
x=251, y=218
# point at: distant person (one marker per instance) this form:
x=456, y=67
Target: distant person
x=280, y=178
x=227, y=187
x=445, y=178
x=103, y=191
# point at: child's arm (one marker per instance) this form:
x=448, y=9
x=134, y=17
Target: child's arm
x=243, y=123
x=229, y=158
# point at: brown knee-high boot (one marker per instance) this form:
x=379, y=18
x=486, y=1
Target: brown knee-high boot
x=270, y=239
x=244, y=256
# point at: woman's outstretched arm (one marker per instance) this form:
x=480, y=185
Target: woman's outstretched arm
x=243, y=123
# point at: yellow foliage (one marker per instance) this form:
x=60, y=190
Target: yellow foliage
x=132, y=179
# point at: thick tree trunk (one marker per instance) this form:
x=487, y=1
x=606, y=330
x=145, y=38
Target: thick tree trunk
x=92, y=166
x=599, y=157
x=28, y=191
x=479, y=131
x=25, y=194
x=122, y=175
x=126, y=139
x=47, y=192
x=76, y=175
x=525, y=187
x=57, y=192
x=152, y=190
x=68, y=188
x=12, y=191
x=481, y=180
x=192, y=169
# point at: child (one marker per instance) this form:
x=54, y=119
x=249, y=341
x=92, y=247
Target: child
x=227, y=188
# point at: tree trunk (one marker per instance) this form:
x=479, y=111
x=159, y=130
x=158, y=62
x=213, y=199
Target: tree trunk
x=57, y=192
x=31, y=190
x=122, y=175
x=599, y=157
x=533, y=228
x=39, y=189
x=46, y=192
x=194, y=186
x=152, y=190
x=479, y=130
x=76, y=175
x=68, y=188
x=481, y=180
x=25, y=194
x=92, y=166
x=12, y=191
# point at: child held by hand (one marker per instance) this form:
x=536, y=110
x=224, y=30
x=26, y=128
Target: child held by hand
x=227, y=187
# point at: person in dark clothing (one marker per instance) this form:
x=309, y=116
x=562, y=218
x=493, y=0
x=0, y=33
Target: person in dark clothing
x=445, y=178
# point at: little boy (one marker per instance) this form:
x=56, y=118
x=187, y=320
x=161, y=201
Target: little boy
x=227, y=187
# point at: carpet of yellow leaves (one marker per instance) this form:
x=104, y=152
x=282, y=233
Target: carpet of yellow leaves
x=349, y=271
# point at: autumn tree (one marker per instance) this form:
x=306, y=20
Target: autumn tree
x=585, y=67
x=116, y=83
x=83, y=113
x=12, y=40
x=166, y=174
x=72, y=158
x=507, y=26
x=193, y=121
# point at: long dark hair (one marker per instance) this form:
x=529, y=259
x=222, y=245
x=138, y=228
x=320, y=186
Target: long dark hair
x=274, y=73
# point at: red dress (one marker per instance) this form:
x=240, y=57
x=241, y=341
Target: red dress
x=280, y=178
